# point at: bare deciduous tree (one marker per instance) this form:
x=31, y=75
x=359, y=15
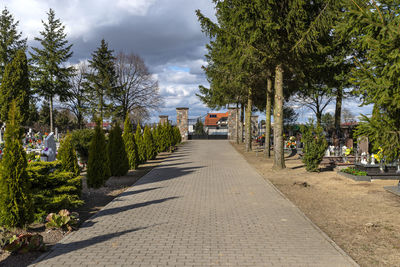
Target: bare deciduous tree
x=78, y=102
x=136, y=87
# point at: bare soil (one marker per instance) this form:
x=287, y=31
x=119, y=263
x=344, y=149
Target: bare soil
x=95, y=200
x=361, y=217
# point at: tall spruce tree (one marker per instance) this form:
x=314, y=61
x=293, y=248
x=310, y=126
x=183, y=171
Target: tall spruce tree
x=130, y=144
x=15, y=86
x=15, y=202
x=98, y=168
x=101, y=79
x=10, y=39
x=50, y=73
x=374, y=27
x=119, y=163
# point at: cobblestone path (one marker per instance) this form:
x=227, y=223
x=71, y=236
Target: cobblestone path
x=203, y=206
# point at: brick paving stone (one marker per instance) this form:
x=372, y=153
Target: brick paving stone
x=203, y=206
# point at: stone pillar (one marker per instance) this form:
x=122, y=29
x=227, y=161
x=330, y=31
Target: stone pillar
x=254, y=125
x=182, y=121
x=232, y=126
x=163, y=119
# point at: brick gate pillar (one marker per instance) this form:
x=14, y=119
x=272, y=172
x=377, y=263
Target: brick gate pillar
x=182, y=121
x=232, y=126
x=163, y=119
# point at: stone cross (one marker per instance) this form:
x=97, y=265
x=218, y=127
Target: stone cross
x=50, y=144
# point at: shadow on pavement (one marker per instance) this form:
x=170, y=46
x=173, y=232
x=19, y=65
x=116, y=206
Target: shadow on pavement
x=116, y=210
x=60, y=249
x=129, y=193
x=165, y=172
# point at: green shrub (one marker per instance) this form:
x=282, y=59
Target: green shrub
x=140, y=145
x=15, y=198
x=314, y=146
x=149, y=146
x=119, y=164
x=67, y=155
x=130, y=145
x=177, y=136
x=81, y=142
x=52, y=188
x=98, y=168
x=354, y=171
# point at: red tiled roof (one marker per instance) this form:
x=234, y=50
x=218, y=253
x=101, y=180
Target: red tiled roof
x=209, y=121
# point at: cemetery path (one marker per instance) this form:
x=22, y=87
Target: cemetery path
x=203, y=206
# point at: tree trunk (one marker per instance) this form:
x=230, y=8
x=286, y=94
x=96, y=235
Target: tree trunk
x=51, y=114
x=279, y=160
x=267, y=149
x=338, y=109
x=237, y=123
x=319, y=117
x=248, y=120
x=241, y=122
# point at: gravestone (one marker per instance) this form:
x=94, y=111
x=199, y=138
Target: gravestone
x=363, y=144
x=2, y=130
x=349, y=142
x=50, y=147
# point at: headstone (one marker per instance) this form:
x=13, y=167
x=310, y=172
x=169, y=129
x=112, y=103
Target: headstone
x=363, y=144
x=349, y=142
x=50, y=147
x=2, y=130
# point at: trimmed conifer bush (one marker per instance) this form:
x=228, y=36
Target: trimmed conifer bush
x=314, y=146
x=119, y=164
x=15, y=199
x=98, y=168
x=81, y=140
x=177, y=136
x=140, y=145
x=130, y=145
x=67, y=155
x=149, y=146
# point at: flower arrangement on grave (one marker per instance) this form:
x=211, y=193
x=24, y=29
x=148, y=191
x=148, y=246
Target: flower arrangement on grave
x=291, y=143
x=379, y=155
x=348, y=151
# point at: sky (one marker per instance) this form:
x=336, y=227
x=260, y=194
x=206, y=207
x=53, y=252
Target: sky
x=165, y=33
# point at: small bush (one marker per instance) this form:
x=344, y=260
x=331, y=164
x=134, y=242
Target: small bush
x=130, y=145
x=98, y=168
x=140, y=145
x=119, y=164
x=81, y=142
x=52, y=188
x=67, y=155
x=354, y=171
x=149, y=146
x=315, y=146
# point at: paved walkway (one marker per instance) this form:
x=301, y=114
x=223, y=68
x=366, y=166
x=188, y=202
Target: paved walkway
x=203, y=206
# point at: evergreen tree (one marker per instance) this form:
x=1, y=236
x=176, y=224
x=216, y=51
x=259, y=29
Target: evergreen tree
x=10, y=40
x=15, y=202
x=314, y=146
x=150, y=148
x=15, y=86
x=98, y=168
x=67, y=155
x=177, y=136
x=130, y=144
x=50, y=74
x=102, y=79
x=140, y=145
x=119, y=163
x=375, y=31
